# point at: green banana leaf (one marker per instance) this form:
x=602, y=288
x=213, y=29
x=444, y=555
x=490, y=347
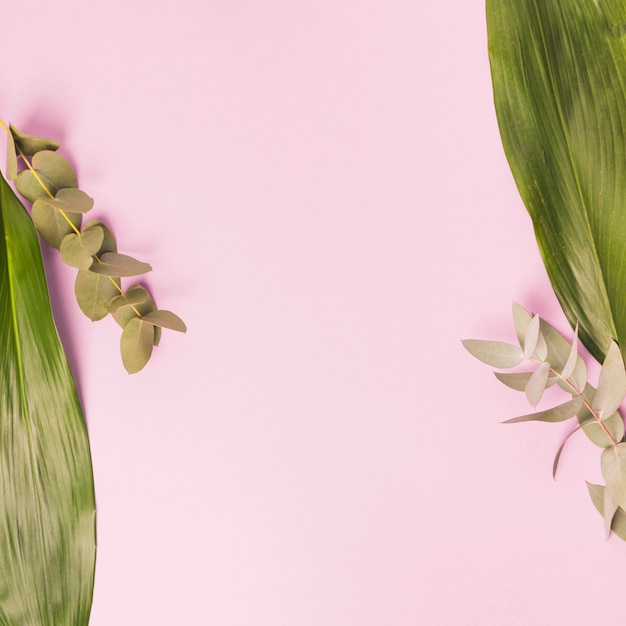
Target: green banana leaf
x=47, y=507
x=559, y=79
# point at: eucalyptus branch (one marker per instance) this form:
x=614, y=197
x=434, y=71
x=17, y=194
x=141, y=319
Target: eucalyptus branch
x=597, y=409
x=49, y=182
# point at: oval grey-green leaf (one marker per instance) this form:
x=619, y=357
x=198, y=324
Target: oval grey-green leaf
x=136, y=344
x=494, y=353
x=618, y=525
x=94, y=293
x=141, y=301
x=31, y=144
x=121, y=265
x=52, y=225
x=166, y=319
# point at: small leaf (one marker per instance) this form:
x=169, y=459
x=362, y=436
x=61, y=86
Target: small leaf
x=596, y=432
x=618, y=524
x=166, y=319
x=558, y=347
x=30, y=144
x=578, y=377
x=557, y=457
x=611, y=383
x=114, y=264
x=136, y=344
x=572, y=358
x=11, y=158
x=521, y=319
x=78, y=250
x=94, y=293
x=108, y=243
x=609, y=509
x=531, y=337
x=52, y=225
x=516, y=380
x=613, y=463
x=537, y=384
x=519, y=380
x=70, y=199
x=53, y=170
x=557, y=414
x=136, y=296
x=494, y=353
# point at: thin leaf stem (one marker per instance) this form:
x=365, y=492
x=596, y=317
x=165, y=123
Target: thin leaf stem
x=65, y=216
x=586, y=402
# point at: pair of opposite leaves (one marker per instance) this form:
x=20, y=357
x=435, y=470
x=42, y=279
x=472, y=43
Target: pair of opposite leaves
x=50, y=183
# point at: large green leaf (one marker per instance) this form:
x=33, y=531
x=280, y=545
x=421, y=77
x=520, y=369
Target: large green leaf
x=47, y=510
x=559, y=78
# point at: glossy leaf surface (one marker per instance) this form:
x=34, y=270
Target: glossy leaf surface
x=47, y=513
x=557, y=69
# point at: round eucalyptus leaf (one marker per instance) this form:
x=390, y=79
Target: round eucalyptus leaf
x=115, y=264
x=136, y=298
x=94, y=293
x=133, y=296
x=71, y=199
x=53, y=170
x=136, y=344
x=108, y=243
x=51, y=224
x=166, y=319
x=78, y=250
x=31, y=144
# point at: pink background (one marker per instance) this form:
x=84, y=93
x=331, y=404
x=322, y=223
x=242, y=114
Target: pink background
x=321, y=190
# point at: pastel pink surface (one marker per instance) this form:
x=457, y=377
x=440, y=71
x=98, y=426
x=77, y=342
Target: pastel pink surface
x=322, y=193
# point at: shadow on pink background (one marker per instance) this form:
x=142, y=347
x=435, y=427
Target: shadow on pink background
x=322, y=193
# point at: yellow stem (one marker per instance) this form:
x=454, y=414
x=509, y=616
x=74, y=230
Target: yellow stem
x=64, y=214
